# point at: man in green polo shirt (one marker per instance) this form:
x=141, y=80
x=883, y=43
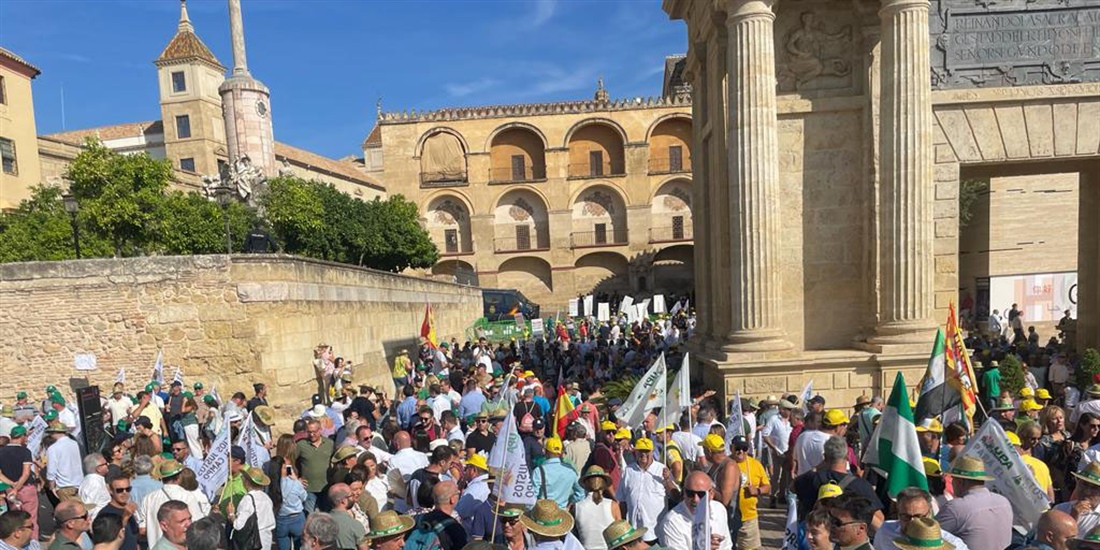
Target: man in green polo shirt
x=234, y=490
x=314, y=454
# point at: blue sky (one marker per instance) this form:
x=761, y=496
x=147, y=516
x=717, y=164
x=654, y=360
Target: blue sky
x=328, y=61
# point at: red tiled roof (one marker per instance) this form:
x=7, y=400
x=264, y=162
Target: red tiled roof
x=374, y=138
x=115, y=131
x=8, y=54
x=312, y=160
x=187, y=46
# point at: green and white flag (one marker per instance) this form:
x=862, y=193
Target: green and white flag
x=937, y=394
x=895, y=450
x=646, y=396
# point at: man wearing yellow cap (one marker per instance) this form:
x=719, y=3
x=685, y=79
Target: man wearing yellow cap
x=929, y=431
x=808, y=447
x=476, y=491
x=604, y=454
x=555, y=479
x=642, y=489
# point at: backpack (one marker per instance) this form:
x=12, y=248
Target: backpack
x=428, y=537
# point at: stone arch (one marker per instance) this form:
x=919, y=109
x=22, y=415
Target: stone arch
x=598, y=216
x=459, y=271
x=514, y=125
x=597, y=147
x=442, y=153
x=603, y=271
x=529, y=274
x=448, y=221
x=665, y=118
x=674, y=269
x=521, y=221
x=508, y=145
x=670, y=212
x=670, y=145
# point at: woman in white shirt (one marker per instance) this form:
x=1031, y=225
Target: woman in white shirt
x=256, y=501
x=597, y=510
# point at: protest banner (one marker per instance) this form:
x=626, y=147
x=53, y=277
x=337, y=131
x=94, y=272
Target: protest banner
x=604, y=312
x=36, y=429
x=588, y=308
x=659, y=303
x=574, y=307
x=646, y=396
x=537, y=328
x=214, y=471
x=626, y=306
x=1012, y=478
x=700, y=525
x=509, y=462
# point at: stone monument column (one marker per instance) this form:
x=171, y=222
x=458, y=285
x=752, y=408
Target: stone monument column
x=753, y=160
x=906, y=238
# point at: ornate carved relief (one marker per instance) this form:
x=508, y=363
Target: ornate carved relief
x=521, y=210
x=996, y=43
x=813, y=54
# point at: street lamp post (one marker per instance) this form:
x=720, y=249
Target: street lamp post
x=72, y=207
x=224, y=196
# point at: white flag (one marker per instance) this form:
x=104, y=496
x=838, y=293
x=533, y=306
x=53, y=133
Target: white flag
x=675, y=308
x=735, y=426
x=121, y=377
x=659, y=303
x=158, y=368
x=255, y=452
x=178, y=376
x=700, y=525
x=625, y=305
x=1012, y=478
x=806, y=394
x=790, y=536
x=678, y=397
x=510, y=460
x=214, y=471
x=36, y=429
x=646, y=396
x=604, y=312
x=214, y=394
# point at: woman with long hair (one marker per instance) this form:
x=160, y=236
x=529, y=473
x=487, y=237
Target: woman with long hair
x=597, y=510
x=377, y=484
x=287, y=448
x=190, y=422
x=288, y=498
x=1088, y=430
x=190, y=482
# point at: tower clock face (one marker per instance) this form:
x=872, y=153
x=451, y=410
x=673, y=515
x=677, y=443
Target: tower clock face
x=261, y=108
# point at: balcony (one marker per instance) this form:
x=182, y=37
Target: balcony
x=589, y=239
x=455, y=249
x=431, y=180
x=517, y=174
x=672, y=234
x=669, y=165
x=512, y=244
x=585, y=170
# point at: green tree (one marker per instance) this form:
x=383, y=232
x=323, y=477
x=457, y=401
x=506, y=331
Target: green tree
x=119, y=195
x=1088, y=369
x=395, y=239
x=1012, y=374
x=297, y=216
x=40, y=230
x=970, y=191
x=188, y=223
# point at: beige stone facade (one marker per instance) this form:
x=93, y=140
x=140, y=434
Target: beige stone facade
x=555, y=199
x=224, y=320
x=18, y=144
x=840, y=271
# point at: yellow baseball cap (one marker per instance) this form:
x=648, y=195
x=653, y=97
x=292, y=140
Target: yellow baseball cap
x=1042, y=393
x=528, y=374
x=836, y=417
x=930, y=425
x=478, y=461
x=932, y=468
x=643, y=444
x=623, y=433
x=829, y=489
x=1026, y=392
x=608, y=426
x=1013, y=438
x=553, y=445
x=1030, y=405
x=714, y=443
x=669, y=428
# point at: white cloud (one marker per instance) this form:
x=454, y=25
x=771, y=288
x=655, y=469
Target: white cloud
x=544, y=10
x=462, y=89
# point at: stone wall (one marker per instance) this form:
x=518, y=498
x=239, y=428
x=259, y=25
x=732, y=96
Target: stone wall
x=225, y=320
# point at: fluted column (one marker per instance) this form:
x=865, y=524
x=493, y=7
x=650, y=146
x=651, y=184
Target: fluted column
x=905, y=141
x=753, y=157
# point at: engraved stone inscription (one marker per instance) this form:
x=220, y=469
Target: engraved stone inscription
x=1016, y=38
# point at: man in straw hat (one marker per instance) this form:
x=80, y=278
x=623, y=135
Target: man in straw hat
x=912, y=503
x=256, y=502
x=981, y=518
x=66, y=471
x=1087, y=506
x=387, y=530
x=547, y=523
x=922, y=534
x=620, y=535
x=676, y=526
x=169, y=474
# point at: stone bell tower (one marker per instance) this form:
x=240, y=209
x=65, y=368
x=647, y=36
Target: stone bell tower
x=246, y=106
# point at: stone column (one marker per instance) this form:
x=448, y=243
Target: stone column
x=753, y=160
x=236, y=33
x=905, y=141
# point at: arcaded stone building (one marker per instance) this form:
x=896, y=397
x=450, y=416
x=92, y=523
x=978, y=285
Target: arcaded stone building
x=553, y=199
x=830, y=139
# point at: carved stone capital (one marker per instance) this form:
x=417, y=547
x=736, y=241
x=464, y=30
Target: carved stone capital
x=891, y=7
x=741, y=10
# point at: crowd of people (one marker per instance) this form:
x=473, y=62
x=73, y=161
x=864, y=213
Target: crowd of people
x=409, y=466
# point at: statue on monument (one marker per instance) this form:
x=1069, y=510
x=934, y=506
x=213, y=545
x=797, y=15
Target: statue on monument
x=806, y=47
x=245, y=178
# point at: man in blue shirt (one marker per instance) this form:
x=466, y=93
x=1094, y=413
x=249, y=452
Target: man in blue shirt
x=561, y=483
x=471, y=401
x=406, y=411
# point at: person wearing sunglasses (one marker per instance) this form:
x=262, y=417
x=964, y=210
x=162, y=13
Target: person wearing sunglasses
x=123, y=506
x=676, y=526
x=16, y=529
x=72, y=522
x=850, y=521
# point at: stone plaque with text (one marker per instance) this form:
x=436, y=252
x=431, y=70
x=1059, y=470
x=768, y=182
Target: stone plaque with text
x=989, y=43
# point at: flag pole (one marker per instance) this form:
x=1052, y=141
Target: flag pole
x=500, y=474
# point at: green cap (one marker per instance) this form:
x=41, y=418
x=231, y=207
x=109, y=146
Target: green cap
x=149, y=387
x=50, y=389
x=56, y=398
x=50, y=415
x=21, y=395
x=198, y=385
x=18, y=431
x=188, y=394
x=208, y=399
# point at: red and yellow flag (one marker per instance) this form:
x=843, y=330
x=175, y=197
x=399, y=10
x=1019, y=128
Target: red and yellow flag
x=562, y=412
x=959, y=370
x=427, y=328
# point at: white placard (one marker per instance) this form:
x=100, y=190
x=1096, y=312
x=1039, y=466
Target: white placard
x=643, y=308
x=659, y=303
x=84, y=361
x=625, y=305
x=536, y=327
x=574, y=306
x=588, y=308
x=603, y=313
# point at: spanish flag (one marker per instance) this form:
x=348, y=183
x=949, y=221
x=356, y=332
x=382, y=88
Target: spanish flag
x=427, y=328
x=563, y=412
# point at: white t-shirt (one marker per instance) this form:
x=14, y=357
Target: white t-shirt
x=809, y=450
x=675, y=529
x=777, y=432
x=119, y=408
